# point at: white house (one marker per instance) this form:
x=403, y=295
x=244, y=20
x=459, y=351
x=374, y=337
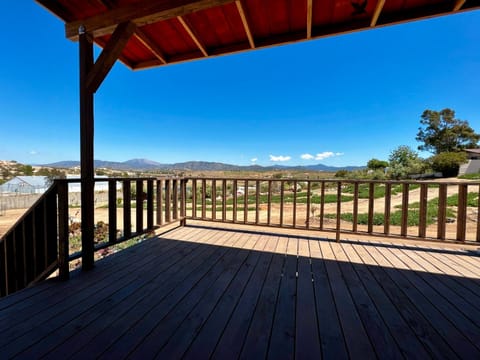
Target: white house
x=473, y=164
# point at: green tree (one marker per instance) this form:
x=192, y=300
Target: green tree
x=27, y=170
x=448, y=162
x=405, y=161
x=375, y=164
x=442, y=132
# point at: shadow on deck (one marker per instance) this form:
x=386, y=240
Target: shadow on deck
x=198, y=293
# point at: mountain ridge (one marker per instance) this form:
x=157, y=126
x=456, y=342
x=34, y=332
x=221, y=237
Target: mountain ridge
x=146, y=165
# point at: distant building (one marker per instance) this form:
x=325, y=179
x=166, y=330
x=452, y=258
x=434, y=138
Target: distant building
x=26, y=185
x=75, y=187
x=473, y=164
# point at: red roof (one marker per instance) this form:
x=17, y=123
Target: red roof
x=170, y=31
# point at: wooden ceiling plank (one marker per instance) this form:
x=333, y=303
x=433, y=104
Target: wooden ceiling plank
x=246, y=26
x=110, y=54
x=377, y=12
x=150, y=45
x=309, y=18
x=459, y=4
x=192, y=34
x=141, y=13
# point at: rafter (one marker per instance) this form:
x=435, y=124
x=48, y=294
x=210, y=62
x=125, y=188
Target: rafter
x=141, y=13
x=55, y=8
x=246, y=26
x=150, y=45
x=377, y=12
x=109, y=55
x=192, y=34
x=309, y=18
x=459, y=4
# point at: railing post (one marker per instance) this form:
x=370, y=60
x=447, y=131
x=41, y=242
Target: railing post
x=478, y=217
x=168, y=200
x=112, y=211
x=422, y=221
x=404, y=218
x=150, y=204
x=127, y=208
x=371, y=209
x=355, y=207
x=309, y=193
x=322, y=206
x=160, y=202
x=183, y=202
x=462, y=211
x=139, y=206
x=442, y=212
x=388, y=199
x=294, y=215
x=63, y=243
x=339, y=209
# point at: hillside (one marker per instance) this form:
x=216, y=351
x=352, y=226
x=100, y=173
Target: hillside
x=146, y=165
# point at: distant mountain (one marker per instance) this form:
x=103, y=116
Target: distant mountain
x=145, y=165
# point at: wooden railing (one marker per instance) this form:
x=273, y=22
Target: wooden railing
x=28, y=251
x=409, y=209
x=47, y=237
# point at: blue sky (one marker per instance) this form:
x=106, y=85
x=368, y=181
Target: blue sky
x=337, y=101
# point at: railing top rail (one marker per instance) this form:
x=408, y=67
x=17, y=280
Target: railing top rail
x=352, y=181
x=97, y=179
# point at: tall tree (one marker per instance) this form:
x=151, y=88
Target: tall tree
x=442, y=132
x=404, y=161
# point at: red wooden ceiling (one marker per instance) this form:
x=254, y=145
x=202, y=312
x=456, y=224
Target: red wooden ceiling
x=222, y=26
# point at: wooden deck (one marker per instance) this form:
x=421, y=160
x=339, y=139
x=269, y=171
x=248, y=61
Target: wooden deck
x=199, y=293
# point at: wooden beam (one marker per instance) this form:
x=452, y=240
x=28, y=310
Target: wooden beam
x=109, y=55
x=86, y=151
x=459, y=4
x=150, y=45
x=246, y=26
x=192, y=34
x=309, y=18
x=56, y=8
x=141, y=13
x=377, y=12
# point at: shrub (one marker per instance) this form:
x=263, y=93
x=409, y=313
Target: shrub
x=448, y=162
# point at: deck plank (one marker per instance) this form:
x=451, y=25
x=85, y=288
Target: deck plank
x=203, y=345
x=350, y=321
x=307, y=340
x=376, y=329
x=84, y=329
x=406, y=340
x=282, y=340
x=332, y=340
x=406, y=299
x=231, y=342
x=208, y=292
x=22, y=334
x=441, y=312
x=134, y=333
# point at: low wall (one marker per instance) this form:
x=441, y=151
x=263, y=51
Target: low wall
x=16, y=201
x=8, y=202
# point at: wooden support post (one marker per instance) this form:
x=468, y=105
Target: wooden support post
x=86, y=150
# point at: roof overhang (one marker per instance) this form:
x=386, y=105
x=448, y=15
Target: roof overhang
x=162, y=32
